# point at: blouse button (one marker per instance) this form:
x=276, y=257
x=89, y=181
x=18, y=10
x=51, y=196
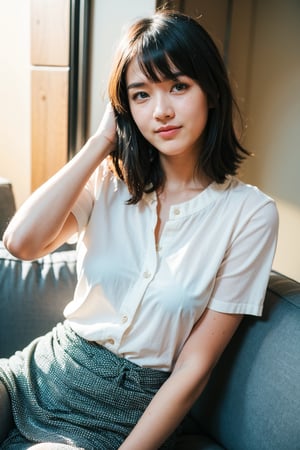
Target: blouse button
x=111, y=341
x=146, y=274
x=176, y=211
x=124, y=319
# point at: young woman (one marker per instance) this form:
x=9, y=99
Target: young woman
x=173, y=250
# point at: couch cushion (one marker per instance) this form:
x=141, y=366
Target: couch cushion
x=196, y=442
x=253, y=398
x=32, y=296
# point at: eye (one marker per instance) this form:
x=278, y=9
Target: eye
x=179, y=87
x=139, y=96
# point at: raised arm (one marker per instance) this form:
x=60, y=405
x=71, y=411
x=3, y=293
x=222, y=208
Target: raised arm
x=193, y=368
x=44, y=221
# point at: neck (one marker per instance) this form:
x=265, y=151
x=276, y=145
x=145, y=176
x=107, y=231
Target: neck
x=181, y=174
x=184, y=178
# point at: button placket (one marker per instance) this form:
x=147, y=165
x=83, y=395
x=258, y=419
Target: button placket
x=124, y=318
x=147, y=274
x=151, y=256
x=136, y=294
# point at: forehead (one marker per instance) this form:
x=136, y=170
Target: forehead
x=134, y=72
x=138, y=71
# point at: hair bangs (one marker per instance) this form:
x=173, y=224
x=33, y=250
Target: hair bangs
x=158, y=61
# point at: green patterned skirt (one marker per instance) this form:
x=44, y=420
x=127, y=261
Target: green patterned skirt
x=67, y=390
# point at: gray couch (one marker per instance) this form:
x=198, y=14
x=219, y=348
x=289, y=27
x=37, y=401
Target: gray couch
x=252, y=401
x=7, y=203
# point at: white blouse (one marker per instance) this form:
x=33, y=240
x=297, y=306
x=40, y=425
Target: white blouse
x=141, y=301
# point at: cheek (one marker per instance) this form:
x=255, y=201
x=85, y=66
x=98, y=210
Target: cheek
x=139, y=119
x=201, y=112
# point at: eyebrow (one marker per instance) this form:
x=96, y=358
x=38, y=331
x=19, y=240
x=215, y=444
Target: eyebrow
x=140, y=84
x=136, y=85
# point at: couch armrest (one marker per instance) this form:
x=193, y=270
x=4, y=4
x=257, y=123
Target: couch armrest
x=32, y=296
x=252, y=400
x=7, y=204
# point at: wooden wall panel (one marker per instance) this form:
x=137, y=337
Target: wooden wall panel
x=50, y=59
x=50, y=32
x=49, y=122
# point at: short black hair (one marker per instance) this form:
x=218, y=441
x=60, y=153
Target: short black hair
x=161, y=42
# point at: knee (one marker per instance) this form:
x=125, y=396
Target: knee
x=6, y=418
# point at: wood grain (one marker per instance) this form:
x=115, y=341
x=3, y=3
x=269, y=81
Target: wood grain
x=49, y=122
x=50, y=32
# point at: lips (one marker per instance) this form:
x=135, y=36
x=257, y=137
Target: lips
x=168, y=131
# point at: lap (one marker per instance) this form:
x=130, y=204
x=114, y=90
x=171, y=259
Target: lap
x=75, y=392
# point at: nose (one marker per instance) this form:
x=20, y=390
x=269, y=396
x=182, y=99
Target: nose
x=163, y=109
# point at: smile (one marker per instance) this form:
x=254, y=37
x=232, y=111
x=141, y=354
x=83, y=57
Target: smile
x=168, y=132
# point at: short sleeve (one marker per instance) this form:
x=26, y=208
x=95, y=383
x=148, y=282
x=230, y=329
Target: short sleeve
x=84, y=204
x=242, y=279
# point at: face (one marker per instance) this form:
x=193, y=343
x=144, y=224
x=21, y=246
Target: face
x=171, y=114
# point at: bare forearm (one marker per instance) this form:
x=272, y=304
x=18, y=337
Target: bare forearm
x=41, y=217
x=165, y=412
x=194, y=365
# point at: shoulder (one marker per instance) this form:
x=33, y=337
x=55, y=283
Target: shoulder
x=248, y=198
x=245, y=209
x=105, y=181
x=239, y=189
x=252, y=206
